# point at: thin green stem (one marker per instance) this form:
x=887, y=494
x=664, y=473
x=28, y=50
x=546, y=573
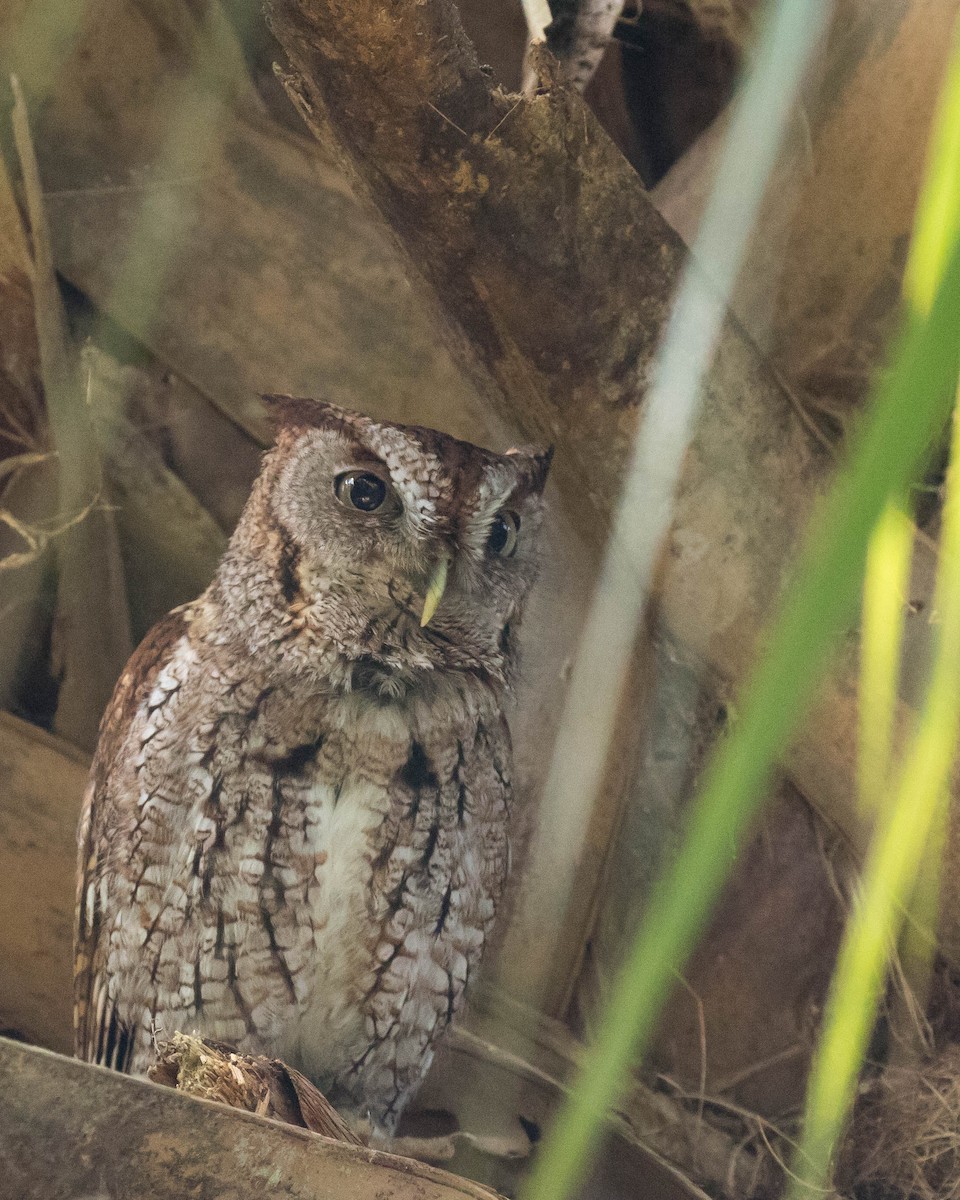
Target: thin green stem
x=893, y=864
x=886, y=580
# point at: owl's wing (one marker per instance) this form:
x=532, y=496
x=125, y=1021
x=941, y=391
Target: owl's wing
x=100, y=1034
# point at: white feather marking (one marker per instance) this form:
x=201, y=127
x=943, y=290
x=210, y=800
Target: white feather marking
x=331, y=1024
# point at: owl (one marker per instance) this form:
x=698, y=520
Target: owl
x=295, y=836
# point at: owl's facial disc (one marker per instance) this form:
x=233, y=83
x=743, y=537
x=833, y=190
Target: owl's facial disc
x=369, y=489
x=413, y=551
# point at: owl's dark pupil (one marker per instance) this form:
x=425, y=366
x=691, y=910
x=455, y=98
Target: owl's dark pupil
x=499, y=534
x=367, y=492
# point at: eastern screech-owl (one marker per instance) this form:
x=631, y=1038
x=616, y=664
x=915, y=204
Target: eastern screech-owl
x=295, y=836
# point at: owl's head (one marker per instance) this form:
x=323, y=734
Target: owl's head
x=407, y=549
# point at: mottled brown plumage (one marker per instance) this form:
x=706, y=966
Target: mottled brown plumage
x=295, y=836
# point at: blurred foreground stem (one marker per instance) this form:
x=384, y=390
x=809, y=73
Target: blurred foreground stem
x=911, y=404
x=893, y=865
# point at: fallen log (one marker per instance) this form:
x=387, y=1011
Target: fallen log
x=72, y=1128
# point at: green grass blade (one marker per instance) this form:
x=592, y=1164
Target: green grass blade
x=917, y=948
x=893, y=864
x=885, y=584
x=912, y=823
x=889, y=555
x=938, y=209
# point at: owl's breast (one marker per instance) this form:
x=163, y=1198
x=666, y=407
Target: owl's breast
x=315, y=879
x=412, y=855
x=332, y=851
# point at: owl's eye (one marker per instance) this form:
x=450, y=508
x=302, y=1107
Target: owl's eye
x=361, y=490
x=504, y=529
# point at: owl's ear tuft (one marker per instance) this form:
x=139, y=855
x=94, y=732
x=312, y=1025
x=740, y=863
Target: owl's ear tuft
x=539, y=459
x=296, y=413
x=543, y=459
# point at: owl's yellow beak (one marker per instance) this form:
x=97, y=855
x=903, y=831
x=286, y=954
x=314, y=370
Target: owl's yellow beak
x=438, y=581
